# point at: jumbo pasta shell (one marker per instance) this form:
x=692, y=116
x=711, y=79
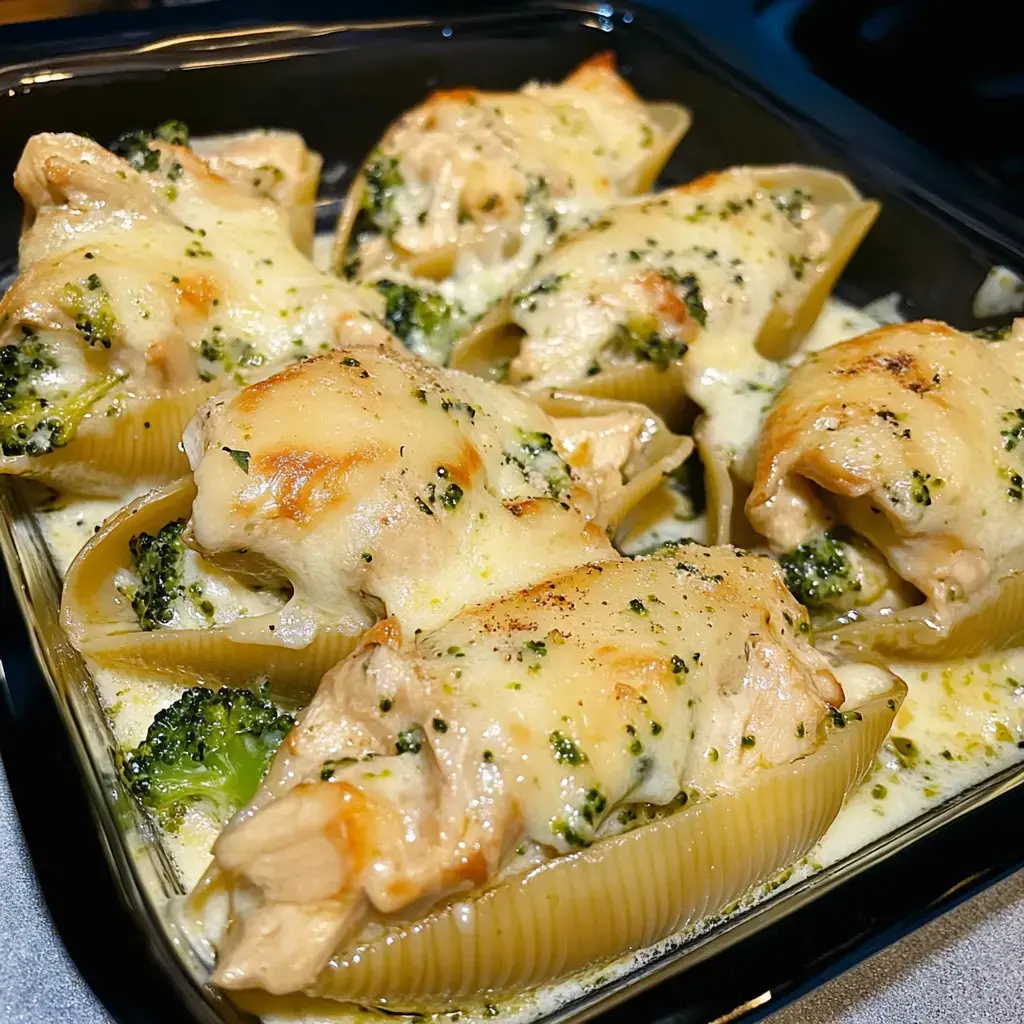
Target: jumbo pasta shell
x=622, y=893
x=495, y=340
x=102, y=626
x=788, y=323
x=718, y=486
x=673, y=122
x=992, y=620
x=113, y=453
x=434, y=265
x=661, y=452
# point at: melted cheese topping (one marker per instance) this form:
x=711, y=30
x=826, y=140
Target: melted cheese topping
x=691, y=274
x=274, y=164
x=472, y=186
x=535, y=717
x=365, y=474
x=915, y=432
x=974, y=710
x=165, y=278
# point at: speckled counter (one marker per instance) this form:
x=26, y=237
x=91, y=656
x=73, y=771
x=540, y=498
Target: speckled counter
x=967, y=967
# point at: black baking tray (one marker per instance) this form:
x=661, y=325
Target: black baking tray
x=340, y=84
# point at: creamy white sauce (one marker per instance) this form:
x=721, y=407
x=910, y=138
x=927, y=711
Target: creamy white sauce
x=960, y=724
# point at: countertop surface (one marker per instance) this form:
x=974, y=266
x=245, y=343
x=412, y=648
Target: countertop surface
x=965, y=967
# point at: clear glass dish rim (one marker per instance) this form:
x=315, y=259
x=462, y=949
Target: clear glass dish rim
x=143, y=875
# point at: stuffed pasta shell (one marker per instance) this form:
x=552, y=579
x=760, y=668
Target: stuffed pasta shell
x=654, y=735
x=469, y=188
x=896, y=455
x=693, y=294
x=275, y=164
x=147, y=283
x=350, y=486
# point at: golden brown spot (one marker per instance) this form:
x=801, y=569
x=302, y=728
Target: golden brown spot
x=465, y=467
x=705, y=183
x=196, y=292
x=471, y=868
x=669, y=306
x=519, y=734
x=624, y=692
x=350, y=830
x=386, y=633
x=328, y=370
x=460, y=95
x=526, y=508
x=599, y=74
x=299, y=484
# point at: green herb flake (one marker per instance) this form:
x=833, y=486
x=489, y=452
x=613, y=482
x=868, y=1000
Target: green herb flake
x=565, y=751
x=410, y=741
x=239, y=457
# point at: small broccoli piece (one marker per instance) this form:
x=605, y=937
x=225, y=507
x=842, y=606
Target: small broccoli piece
x=424, y=322
x=1000, y=333
x=691, y=294
x=382, y=180
x=134, y=146
x=547, y=285
x=793, y=204
x=688, y=482
x=819, y=573
x=224, y=355
x=640, y=338
x=535, y=455
x=159, y=564
x=91, y=307
x=31, y=424
x=211, y=746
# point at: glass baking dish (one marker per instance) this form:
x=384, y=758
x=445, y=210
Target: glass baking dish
x=339, y=84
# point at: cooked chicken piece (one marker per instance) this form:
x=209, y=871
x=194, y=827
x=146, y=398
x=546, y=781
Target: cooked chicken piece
x=275, y=164
x=694, y=274
x=910, y=435
x=367, y=477
x=136, y=284
x=548, y=718
x=471, y=186
x=220, y=266
x=606, y=450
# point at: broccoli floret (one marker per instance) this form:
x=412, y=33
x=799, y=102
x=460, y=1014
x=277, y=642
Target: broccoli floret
x=134, y=146
x=1000, y=333
x=641, y=338
x=535, y=455
x=424, y=321
x=31, y=424
x=158, y=563
x=226, y=355
x=91, y=307
x=212, y=746
x=381, y=181
x=688, y=482
x=691, y=294
x=819, y=572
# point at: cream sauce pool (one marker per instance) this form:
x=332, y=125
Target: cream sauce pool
x=961, y=723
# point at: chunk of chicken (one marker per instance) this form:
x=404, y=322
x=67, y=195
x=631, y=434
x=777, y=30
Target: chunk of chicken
x=275, y=164
x=472, y=185
x=696, y=275
x=367, y=477
x=910, y=435
x=195, y=273
x=425, y=760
